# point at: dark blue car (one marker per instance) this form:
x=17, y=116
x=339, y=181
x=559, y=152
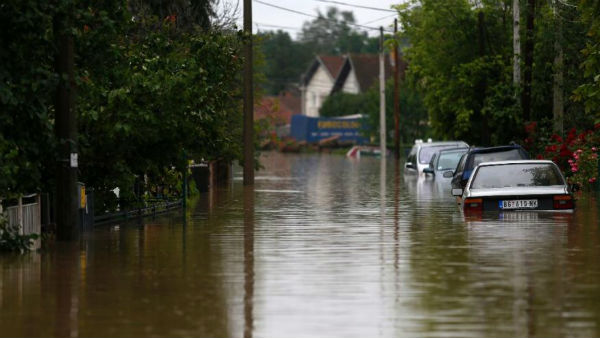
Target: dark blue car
x=475, y=156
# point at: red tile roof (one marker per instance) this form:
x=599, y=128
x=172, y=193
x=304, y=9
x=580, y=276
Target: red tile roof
x=333, y=63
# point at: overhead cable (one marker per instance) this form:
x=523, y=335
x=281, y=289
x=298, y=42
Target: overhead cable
x=314, y=16
x=357, y=6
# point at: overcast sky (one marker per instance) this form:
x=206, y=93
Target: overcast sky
x=267, y=17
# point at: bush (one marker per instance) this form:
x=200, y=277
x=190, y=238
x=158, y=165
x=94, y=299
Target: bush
x=11, y=240
x=576, y=154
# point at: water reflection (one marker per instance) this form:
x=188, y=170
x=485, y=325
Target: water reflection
x=248, y=261
x=322, y=246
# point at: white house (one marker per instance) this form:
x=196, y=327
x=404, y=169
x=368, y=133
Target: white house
x=352, y=73
x=317, y=82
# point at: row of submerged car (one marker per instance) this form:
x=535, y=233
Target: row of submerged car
x=492, y=178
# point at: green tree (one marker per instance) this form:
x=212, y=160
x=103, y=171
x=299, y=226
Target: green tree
x=284, y=60
x=589, y=90
x=333, y=33
x=413, y=116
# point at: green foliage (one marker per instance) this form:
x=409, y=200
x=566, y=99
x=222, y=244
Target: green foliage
x=330, y=33
x=27, y=84
x=152, y=79
x=11, y=240
x=285, y=60
x=461, y=58
x=413, y=116
x=165, y=90
x=589, y=91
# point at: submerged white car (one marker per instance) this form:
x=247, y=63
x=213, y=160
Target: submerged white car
x=420, y=155
x=516, y=185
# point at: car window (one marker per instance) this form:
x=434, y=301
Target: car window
x=516, y=175
x=433, y=160
x=427, y=152
x=412, y=156
x=461, y=164
x=448, y=160
x=512, y=154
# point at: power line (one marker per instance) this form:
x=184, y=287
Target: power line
x=385, y=17
x=313, y=16
x=357, y=6
x=276, y=26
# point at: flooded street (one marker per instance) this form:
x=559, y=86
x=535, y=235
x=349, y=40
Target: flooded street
x=324, y=246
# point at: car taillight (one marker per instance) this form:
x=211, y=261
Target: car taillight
x=473, y=204
x=563, y=202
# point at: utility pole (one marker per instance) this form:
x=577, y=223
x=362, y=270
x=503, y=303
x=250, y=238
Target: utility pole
x=65, y=128
x=382, y=128
x=396, y=93
x=528, y=56
x=558, y=107
x=516, y=44
x=248, y=98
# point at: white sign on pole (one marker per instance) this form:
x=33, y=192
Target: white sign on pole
x=73, y=160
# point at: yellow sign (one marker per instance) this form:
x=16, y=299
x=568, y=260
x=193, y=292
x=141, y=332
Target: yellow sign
x=339, y=125
x=83, y=198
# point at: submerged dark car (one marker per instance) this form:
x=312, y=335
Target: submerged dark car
x=475, y=156
x=516, y=185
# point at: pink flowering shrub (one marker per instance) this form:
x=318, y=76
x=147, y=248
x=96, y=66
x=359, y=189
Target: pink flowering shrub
x=576, y=154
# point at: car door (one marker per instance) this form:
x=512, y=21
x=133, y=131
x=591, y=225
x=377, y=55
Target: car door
x=456, y=179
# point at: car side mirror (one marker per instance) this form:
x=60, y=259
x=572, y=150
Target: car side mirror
x=457, y=192
x=575, y=187
x=448, y=174
x=428, y=171
x=410, y=165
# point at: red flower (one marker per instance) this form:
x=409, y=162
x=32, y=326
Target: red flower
x=564, y=151
x=596, y=126
x=556, y=138
x=530, y=127
x=539, y=157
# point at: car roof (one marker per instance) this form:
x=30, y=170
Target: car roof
x=447, y=150
x=440, y=143
x=485, y=164
x=494, y=149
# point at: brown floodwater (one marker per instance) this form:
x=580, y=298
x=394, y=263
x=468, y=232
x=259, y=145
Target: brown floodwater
x=322, y=246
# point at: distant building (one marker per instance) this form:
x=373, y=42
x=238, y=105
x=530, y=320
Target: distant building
x=352, y=73
x=317, y=82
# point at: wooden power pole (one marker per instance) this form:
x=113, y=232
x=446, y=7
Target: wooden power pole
x=248, y=98
x=516, y=44
x=65, y=127
x=396, y=93
x=382, y=128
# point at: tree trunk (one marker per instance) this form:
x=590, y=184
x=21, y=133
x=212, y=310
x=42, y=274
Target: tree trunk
x=558, y=92
x=528, y=71
x=516, y=44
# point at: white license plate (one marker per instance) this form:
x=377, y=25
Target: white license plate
x=518, y=204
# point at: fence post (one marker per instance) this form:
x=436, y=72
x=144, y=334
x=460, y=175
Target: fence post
x=20, y=215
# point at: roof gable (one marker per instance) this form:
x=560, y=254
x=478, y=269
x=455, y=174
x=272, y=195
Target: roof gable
x=331, y=63
x=366, y=69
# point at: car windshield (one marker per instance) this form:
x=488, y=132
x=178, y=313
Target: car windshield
x=427, y=152
x=517, y=175
x=507, y=155
x=449, y=159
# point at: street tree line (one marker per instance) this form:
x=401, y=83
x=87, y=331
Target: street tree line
x=461, y=61
x=152, y=79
